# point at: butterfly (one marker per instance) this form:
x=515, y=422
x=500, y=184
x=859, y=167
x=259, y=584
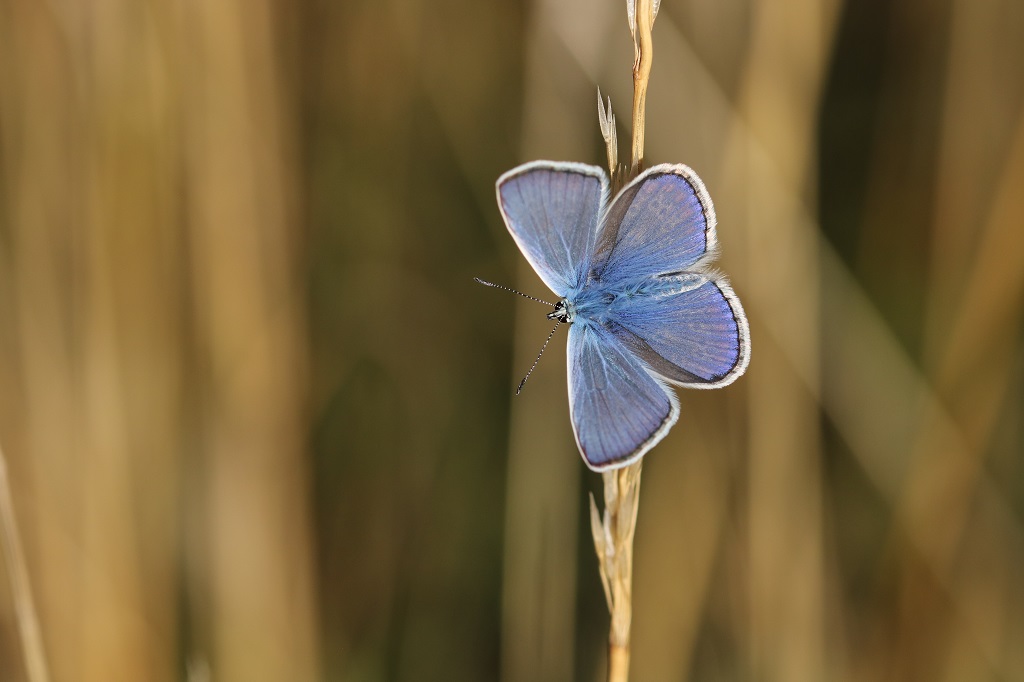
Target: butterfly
x=644, y=307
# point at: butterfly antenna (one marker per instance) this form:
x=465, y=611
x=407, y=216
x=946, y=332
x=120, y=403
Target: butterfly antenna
x=546, y=341
x=498, y=286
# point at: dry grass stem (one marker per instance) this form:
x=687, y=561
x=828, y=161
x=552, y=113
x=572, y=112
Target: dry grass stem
x=613, y=531
x=606, y=118
x=641, y=23
x=21, y=590
x=613, y=540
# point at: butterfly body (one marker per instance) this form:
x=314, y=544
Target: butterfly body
x=644, y=307
x=602, y=303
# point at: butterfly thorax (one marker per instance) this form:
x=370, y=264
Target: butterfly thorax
x=600, y=302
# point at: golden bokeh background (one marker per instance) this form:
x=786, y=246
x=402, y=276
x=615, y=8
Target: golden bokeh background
x=258, y=419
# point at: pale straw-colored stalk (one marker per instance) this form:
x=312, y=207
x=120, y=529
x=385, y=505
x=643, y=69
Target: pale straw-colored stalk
x=641, y=20
x=21, y=590
x=614, y=529
x=613, y=541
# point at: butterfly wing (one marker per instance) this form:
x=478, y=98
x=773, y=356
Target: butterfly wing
x=692, y=332
x=552, y=210
x=661, y=222
x=618, y=410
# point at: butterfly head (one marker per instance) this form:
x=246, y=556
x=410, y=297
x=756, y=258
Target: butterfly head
x=563, y=312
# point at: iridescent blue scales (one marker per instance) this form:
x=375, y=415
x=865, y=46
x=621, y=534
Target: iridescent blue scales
x=645, y=308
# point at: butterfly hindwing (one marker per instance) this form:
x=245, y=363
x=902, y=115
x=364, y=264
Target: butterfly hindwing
x=552, y=210
x=692, y=331
x=618, y=409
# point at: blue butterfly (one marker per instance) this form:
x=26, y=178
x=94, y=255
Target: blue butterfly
x=645, y=308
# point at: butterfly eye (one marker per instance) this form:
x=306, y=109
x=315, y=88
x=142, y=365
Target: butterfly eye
x=560, y=312
x=563, y=312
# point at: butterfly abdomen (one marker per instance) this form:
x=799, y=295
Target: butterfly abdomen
x=601, y=302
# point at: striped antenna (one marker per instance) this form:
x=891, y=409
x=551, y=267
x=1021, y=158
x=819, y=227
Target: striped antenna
x=498, y=286
x=521, y=383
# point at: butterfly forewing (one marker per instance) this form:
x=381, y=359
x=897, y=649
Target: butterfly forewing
x=618, y=410
x=661, y=222
x=552, y=211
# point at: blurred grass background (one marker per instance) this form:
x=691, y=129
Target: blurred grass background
x=259, y=419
